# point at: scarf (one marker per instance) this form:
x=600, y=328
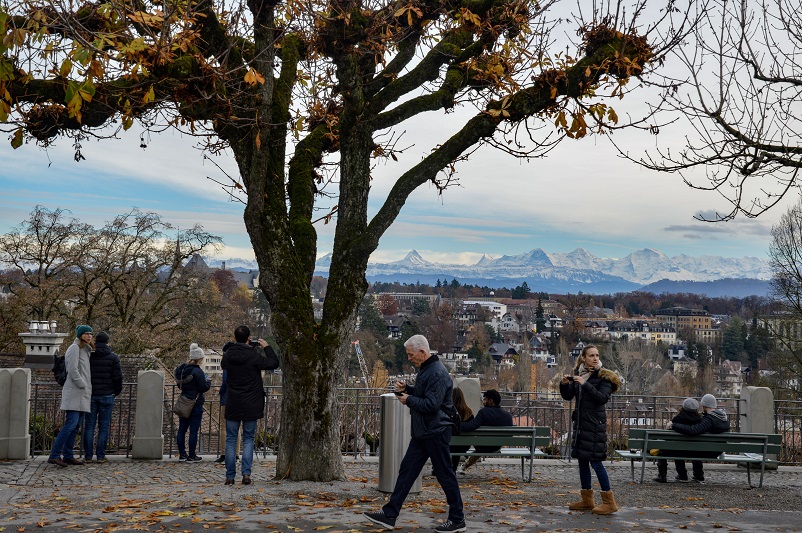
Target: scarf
x=585, y=372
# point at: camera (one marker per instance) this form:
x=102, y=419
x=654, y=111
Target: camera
x=569, y=378
x=397, y=393
x=255, y=344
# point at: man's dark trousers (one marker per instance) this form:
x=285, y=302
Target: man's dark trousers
x=436, y=449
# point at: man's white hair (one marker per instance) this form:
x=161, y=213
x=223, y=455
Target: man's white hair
x=417, y=342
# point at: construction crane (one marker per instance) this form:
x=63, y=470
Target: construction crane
x=363, y=366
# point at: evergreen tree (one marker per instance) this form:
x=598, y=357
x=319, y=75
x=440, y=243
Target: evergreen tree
x=732, y=340
x=370, y=319
x=407, y=330
x=540, y=321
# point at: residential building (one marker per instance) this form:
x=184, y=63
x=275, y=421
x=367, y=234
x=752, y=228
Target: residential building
x=682, y=318
x=498, y=309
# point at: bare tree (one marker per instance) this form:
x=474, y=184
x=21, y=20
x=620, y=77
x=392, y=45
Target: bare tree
x=785, y=254
x=123, y=277
x=438, y=326
x=739, y=101
x=38, y=258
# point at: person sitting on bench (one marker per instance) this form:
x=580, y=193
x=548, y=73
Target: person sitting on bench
x=714, y=420
x=490, y=415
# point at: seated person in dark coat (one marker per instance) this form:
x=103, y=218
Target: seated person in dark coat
x=490, y=415
x=714, y=420
x=688, y=414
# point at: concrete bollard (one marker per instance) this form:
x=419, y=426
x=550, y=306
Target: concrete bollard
x=471, y=390
x=396, y=432
x=148, y=436
x=758, y=413
x=15, y=413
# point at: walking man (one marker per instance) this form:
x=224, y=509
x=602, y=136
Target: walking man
x=429, y=402
x=245, y=402
x=107, y=383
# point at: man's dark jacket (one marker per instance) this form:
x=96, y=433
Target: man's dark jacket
x=492, y=415
x=107, y=374
x=245, y=391
x=429, y=400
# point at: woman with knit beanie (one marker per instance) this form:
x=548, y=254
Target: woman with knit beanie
x=193, y=383
x=76, y=397
x=591, y=386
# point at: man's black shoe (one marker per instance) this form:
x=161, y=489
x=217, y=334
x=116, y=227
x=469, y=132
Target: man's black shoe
x=681, y=479
x=382, y=519
x=448, y=525
x=221, y=459
x=660, y=479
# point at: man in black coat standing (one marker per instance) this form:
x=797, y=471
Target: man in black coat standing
x=245, y=403
x=107, y=383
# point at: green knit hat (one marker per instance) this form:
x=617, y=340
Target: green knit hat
x=80, y=330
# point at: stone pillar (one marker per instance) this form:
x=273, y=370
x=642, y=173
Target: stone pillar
x=758, y=410
x=472, y=392
x=148, y=437
x=15, y=413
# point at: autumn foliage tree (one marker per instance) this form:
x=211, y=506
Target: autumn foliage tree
x=308, y=97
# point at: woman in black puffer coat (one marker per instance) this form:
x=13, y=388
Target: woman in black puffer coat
x=591, y=386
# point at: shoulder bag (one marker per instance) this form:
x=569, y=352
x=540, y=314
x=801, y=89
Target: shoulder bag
x=183, y=406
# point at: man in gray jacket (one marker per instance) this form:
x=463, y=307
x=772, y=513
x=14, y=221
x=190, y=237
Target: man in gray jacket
x=429, y=402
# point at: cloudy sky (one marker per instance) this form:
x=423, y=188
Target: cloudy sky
x=581, y=195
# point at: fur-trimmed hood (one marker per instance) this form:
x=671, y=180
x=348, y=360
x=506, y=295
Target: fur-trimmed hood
x=612, y=377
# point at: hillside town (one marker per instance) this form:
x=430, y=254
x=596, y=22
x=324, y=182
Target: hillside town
x=524, y=343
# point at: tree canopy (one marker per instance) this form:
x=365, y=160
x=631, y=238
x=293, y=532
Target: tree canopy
x=308, y=97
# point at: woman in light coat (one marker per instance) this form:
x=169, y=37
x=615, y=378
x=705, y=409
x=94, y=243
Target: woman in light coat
x=76, y=397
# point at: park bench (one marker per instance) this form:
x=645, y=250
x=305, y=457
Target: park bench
x=746, y=448
x=515, y=441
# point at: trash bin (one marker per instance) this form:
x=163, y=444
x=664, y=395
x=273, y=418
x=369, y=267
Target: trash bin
x=395, y=432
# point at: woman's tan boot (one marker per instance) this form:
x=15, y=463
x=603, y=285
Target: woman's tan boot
x=587, y=501
x=608, y=505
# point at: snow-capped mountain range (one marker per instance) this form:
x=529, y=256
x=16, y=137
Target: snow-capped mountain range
x=571, y=272
x=641, y=267
x=577, y=270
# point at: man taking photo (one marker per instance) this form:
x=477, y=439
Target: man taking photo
x=245, y=402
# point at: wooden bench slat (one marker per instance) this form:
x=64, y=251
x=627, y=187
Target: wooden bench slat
x=515, y=441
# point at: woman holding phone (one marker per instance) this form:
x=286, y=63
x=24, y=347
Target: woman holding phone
x=591, y=386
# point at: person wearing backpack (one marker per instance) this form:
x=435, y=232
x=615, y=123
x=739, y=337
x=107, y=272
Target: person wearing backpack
x=76, y=397
x=107, y=382
x=193, y=383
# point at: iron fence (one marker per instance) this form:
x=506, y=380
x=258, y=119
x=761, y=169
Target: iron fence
x=360, y=418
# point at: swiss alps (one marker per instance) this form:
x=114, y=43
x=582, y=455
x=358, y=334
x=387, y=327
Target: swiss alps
x=580, y=270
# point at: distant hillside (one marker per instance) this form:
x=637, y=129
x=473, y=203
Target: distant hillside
x=551, y=285
x=737, y=288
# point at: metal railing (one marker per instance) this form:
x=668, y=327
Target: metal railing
x=360, y=418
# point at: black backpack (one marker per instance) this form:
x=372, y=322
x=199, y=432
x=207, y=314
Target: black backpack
x=59, y=369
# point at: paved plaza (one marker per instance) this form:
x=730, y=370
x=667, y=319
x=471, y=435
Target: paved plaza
x=127, y=495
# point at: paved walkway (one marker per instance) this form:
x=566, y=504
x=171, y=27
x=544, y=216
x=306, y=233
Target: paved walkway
x=127, y=495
